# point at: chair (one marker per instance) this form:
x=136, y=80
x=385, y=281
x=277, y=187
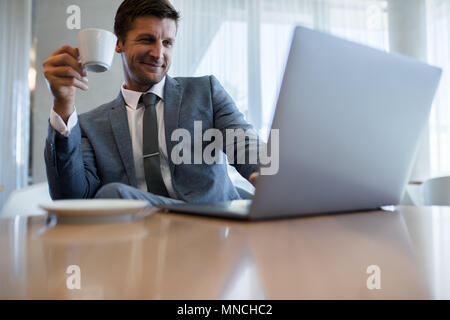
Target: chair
x=25, y=202
x=436, y=191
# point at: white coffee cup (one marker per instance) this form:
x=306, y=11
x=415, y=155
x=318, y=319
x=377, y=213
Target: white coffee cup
x=97, y=47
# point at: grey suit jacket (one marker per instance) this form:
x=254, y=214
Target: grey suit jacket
x=98, y=150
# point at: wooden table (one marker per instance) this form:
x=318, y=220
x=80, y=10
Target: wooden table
x=169, y=256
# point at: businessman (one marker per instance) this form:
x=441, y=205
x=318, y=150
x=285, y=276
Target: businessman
x=123, y=148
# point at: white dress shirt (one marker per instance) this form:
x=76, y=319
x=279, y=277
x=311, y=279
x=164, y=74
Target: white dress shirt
x=135, y=115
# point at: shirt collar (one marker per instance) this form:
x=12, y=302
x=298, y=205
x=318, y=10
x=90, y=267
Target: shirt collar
x=132, y=97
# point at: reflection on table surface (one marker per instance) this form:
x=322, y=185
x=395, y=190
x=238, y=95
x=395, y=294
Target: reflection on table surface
x=169, y=256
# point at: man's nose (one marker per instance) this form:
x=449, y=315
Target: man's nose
x=157, y=51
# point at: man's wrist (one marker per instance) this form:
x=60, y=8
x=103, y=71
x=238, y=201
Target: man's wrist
x=64, y=109
x=64, y=128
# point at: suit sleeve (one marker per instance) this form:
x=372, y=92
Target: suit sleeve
x=227, y=116
x=70, y=165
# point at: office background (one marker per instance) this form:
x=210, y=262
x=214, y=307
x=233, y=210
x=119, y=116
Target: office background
x=242, y=42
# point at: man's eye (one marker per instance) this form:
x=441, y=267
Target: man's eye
x=145, y=40
x=167, y=43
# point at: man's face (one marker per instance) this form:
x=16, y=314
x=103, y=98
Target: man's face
x=147, y=51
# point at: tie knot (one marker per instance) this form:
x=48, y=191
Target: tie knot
x=149, y=99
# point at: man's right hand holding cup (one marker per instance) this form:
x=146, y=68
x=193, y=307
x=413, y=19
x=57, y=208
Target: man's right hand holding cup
x=64, y=73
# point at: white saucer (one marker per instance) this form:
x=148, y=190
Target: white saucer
x=96, y=207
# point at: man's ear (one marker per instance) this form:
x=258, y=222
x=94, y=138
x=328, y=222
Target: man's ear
x=119, y=45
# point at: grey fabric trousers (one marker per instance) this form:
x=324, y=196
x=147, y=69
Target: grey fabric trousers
x=123, y=191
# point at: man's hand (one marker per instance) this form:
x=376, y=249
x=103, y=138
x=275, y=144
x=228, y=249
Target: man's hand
x=253, y=177
x=64, y=73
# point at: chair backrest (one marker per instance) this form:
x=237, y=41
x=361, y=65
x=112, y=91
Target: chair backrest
x=436, y=191
x=26, y=201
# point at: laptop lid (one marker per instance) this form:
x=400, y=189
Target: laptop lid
x=349, y=120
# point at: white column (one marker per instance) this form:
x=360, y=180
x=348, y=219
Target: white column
x=15, y=39
x=407, y=35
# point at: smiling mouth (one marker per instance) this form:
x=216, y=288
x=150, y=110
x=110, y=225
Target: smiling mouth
x=152, y=65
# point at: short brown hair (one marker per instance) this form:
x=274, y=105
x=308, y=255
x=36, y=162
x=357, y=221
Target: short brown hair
x=129, y=10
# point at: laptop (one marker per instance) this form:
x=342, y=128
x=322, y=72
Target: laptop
x=349, y=120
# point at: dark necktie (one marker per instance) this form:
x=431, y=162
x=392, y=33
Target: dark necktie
x=152, y=168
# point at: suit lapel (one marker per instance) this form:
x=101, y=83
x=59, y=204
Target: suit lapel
x=119, y=124
x=172, y=104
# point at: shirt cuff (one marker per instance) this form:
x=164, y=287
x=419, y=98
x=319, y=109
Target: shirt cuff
x=59, y=125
